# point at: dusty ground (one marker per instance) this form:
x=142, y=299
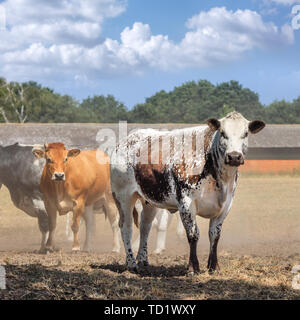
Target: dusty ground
x=259, y=246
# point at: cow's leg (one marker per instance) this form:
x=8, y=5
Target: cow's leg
x=125, y=204
x=44, y=228
x=180, y=227
x=147, y=216
x=89, y=220
x=52, y=215
x=69, y=234
x=136, y=242
x=77, y=214
x=189, y=222
x=215, y=227
x=164, y=219
x=113, y=217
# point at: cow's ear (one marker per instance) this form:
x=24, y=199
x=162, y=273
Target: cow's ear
x=256, y=125
x=73, y=152
x=38, y=153
x=213, y=123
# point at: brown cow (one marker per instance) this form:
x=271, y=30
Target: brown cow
x=74, y=180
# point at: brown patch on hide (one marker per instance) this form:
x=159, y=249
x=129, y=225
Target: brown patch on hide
x=153, y=180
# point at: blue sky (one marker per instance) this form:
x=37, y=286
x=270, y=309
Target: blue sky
x=134, y=48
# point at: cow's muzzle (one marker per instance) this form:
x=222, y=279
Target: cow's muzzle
x=234, y=159
x=59, y=176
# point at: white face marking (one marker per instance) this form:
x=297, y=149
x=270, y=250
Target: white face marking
x=234, y=134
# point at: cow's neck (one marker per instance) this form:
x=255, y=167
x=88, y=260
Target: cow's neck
x=6, y=164
x=215, y=163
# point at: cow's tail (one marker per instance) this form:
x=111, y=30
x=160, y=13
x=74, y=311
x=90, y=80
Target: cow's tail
x=136, y=218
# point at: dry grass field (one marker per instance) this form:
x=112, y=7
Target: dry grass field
x=260, y=244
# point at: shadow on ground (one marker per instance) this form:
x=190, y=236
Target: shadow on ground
x=112, y=281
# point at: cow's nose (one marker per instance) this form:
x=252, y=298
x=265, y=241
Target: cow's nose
x=59, y=176
x=234, y=159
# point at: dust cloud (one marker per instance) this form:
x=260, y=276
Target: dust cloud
x=264, y=220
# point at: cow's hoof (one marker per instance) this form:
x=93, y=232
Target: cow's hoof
x=143, y=264
x=213, y=271
x=158, y=251
x=133, y=268
x=42, y=251
x=75, y=249
x=192, y=273
x=48, y=250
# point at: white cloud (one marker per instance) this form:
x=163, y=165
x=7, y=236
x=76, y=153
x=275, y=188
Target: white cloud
x=285, y=2
x=49, y=47
x=56, y=21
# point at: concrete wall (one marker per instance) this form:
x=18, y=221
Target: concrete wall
x=273, y=136
x=280, y=145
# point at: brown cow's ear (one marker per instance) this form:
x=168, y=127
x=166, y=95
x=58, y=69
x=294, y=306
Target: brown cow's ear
x=38, y=153
x=213, y=123
x=256, y=125
x=73, y=152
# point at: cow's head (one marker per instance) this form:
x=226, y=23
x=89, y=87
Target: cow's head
x=56, y=156
x=233, y=133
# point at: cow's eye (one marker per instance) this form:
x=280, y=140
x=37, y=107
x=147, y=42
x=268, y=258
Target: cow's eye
x=223, y=134
x=245, y=135
x=66, y=159
x=49, y=160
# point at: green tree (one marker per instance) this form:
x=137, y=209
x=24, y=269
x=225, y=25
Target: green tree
x=104, y=109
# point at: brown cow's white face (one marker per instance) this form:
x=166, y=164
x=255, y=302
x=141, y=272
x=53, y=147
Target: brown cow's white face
x=56, y=156
x=233, y=131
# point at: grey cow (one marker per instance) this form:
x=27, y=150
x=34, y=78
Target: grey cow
x=20, y=172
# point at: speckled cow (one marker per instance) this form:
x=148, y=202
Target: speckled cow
x=193, y=170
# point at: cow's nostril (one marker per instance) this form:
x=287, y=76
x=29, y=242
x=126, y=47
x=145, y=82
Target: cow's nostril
x=59, y=176
x=234, y=158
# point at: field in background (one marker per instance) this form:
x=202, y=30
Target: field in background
x=260, y=244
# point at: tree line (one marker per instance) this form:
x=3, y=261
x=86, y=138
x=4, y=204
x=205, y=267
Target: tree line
x=192, y=102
